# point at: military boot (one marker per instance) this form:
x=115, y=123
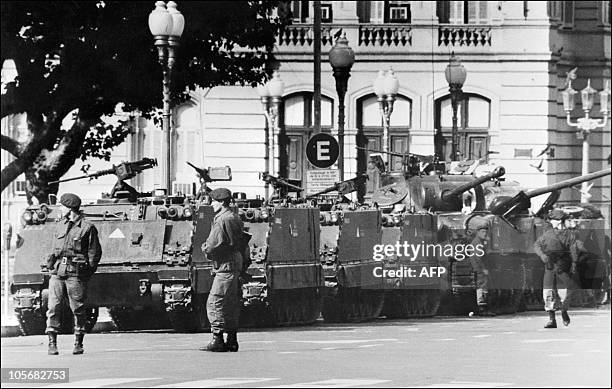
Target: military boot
x=566, y=318
x=552, y=321
x=483, y=310
x=78, y=344
x=52, y=343
x=216, y=344
x=232, y=341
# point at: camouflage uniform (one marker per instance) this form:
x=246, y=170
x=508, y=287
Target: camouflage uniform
x=559, y=250
x=76, y=253
x=223, y=247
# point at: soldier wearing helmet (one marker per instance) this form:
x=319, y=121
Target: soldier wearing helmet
x=74, y=259
x=225, y=247
x=480, y=227
x=559, y=249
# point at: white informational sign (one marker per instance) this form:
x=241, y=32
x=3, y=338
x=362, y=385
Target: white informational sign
x=319, y=179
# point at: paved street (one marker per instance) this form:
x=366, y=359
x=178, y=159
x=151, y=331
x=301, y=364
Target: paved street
x=505, y=351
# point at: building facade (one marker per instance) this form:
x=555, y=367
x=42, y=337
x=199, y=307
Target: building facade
x=516, y=53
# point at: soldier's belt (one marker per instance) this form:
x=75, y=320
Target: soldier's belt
x=71, y=260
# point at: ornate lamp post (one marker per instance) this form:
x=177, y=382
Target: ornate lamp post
x=386, y=86
x=586, y=124
x=166, y=24
x=455, y=76
x=271, y=94
x=341, y=59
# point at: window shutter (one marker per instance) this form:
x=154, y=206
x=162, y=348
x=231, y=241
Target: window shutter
x=456, y=12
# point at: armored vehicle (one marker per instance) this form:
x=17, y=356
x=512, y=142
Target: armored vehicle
x=421, y=207
x=511, y=214
x=285, y=273
x=349, y=234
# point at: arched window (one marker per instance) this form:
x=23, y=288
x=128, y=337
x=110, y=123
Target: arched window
x=296, y=122
x=370, y=133
x=473, y=122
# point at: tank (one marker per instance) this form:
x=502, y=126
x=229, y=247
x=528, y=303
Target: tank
x=589, y=225
x=515, y=272
x=285, y=273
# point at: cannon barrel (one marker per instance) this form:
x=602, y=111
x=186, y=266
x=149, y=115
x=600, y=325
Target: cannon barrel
x=451, y=194
x=521, y=201
x=568, y=183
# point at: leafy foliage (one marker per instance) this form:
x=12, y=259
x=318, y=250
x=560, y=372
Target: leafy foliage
x=91, y=55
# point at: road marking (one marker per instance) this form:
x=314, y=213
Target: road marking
x=546, y=340
x=471, y=384
x=560, y=355
x=481, y=336
x=98, y=383
x=343, y=341
x=287, y=352
x=509, y=333
x=333, y=383
x=445, y=339
x=370, y=345
x=329, y=348
x=412, y=329
x=215, y=382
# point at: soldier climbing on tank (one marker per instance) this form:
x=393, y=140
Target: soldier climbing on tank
x=559, y=249
x=225, y=246
x=74, y=259
x=480, y=227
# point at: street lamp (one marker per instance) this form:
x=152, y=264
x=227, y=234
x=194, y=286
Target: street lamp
x=586, y=124
x=341, y=59
x=166, y=24
x=386, y=86
x=271, y=94
x=455, y=76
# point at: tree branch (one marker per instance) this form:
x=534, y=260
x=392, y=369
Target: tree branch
x=11, y=145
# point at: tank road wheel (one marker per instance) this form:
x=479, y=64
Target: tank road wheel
x=130, y=319
x=194, y=320
x=353, y=305
x=31, y=321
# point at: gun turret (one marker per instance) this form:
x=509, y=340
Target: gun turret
x=521, y=202
x=123, y=171
x=345, y=187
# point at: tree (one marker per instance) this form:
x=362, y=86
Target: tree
x=85, y=57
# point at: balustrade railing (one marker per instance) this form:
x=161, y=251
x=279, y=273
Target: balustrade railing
x=385, y=35
x=303, y=35
x=464, y=35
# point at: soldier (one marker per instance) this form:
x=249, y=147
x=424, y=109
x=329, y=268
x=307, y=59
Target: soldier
x=225, y=247
x=558, y=248
x=75, y=257
x=480, y=227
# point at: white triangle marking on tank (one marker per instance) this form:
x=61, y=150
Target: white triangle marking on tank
x=117, y=234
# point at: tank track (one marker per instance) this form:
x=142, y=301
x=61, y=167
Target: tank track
x=129, y=319
x=286, y=307
x=411, y=303
x=352, y=305
x=34, y=321
x=194, y=320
